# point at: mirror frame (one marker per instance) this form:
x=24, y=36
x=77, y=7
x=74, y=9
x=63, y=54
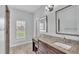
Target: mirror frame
x=56, y=21
x=46, y=17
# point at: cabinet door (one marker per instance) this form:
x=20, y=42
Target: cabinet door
x=42, y=52
x=51, y=51
x=42, y=48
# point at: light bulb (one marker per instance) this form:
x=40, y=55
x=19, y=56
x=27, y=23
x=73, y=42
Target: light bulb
x=49, y=8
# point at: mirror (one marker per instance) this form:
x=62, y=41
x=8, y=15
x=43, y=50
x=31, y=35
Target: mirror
x=44, y=24
x=67, y=20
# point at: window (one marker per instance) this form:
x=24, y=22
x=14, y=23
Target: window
x=20, y=29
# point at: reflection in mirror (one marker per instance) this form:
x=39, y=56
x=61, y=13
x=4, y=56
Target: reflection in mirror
x=43, y=24
x=67, y=20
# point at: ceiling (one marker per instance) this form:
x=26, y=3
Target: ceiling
x=28, y=8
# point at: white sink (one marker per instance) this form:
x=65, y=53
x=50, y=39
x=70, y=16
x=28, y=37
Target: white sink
x=64, y=46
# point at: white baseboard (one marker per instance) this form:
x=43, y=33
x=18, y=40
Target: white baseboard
x=20, y=43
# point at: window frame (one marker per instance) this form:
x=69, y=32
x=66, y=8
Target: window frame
x=22, y=31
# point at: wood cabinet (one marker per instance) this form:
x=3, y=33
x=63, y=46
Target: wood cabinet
x=43, y=48
x=35, y=45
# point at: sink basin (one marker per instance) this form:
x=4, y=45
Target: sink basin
x=64, y=46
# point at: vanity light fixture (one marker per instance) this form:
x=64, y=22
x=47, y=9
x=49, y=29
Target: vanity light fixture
x=49, y=8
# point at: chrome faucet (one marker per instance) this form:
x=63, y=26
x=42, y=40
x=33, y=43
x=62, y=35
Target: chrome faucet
x=64, y=39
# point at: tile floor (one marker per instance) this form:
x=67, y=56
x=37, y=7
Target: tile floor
x=22, y=49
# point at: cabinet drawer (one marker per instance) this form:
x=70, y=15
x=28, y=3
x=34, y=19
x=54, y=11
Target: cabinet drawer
x=54, y=50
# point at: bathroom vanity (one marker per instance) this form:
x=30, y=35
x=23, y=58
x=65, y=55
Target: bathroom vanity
x=48, y=49
x=55, y=45
x=43, y=48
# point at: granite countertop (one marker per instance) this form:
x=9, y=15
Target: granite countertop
x=73, y=50
x=36, y=39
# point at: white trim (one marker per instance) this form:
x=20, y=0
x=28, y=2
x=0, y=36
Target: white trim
x=21, y=43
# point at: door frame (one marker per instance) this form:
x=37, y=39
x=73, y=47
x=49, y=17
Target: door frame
x=7, y=29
